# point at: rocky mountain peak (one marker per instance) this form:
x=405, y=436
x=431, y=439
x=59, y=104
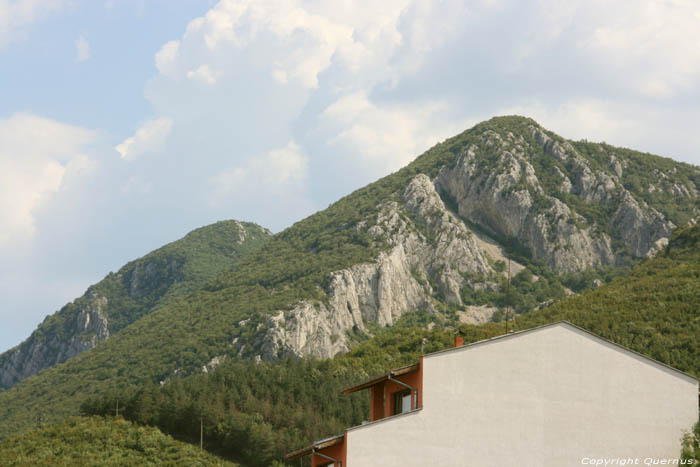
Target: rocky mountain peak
x=566, y=203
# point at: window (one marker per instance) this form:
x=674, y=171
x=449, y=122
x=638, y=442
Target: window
x=402, y=401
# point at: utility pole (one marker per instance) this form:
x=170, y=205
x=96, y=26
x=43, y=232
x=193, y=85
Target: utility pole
x=117, y=411
x=201, y=431
x=508, y=287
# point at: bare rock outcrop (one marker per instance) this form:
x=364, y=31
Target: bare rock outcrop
x=503, y=201
x=86, y=329
x=508, y=199
x=444, y=250
x=644, y=230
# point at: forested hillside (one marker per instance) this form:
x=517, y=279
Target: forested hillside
x=412, y=248
x=97, y=441
x=255, y=412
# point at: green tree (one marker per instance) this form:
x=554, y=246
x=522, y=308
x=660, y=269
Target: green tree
x=691, y=445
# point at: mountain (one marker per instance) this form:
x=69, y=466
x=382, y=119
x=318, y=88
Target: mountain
x=435, y=232
x=124, y=297
x=255, y=412
x=102, y=442
x=433, y=238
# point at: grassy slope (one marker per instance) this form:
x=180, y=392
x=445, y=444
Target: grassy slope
x=102, y=442
x=193, y=328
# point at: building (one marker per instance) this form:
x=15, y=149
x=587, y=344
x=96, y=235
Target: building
x=555, y=395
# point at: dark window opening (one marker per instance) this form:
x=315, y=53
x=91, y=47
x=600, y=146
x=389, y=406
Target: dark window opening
x=402, y=401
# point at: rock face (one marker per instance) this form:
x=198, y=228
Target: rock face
x=87, y=328
x=90, y=328
x=82, y=324
x=504, y=201
x=644, y=230
x=398, y=282
x=512, y=203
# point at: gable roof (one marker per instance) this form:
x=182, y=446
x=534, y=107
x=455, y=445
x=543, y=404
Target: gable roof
x=571, y=327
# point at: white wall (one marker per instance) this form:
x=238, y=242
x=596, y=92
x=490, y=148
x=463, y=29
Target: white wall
x=548, y=397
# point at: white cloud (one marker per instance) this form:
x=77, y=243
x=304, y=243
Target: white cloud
x=279, y=172
x=16, y=15
x=300, y=40
x=301, y=43
x=651, y=45
x=204, y=75
x=386, y=137
x=36, y=155
x=594, y=119
x=643, y=48
x=271, y=188
x=82, y=49
x=166, y=56
x=150, y=137
x=277, y=65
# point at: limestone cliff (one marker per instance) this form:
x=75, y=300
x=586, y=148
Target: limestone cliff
x=444, y=252
x=512, y=203
x=84, y=331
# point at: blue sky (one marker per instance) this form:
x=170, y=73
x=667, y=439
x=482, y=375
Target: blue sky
x=124, y=124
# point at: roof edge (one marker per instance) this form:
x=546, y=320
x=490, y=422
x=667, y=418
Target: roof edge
x=320, y=444
x=571, y=325
x=386, y=419
x=371, y=382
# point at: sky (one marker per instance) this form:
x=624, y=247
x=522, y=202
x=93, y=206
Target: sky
x=124, y=124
